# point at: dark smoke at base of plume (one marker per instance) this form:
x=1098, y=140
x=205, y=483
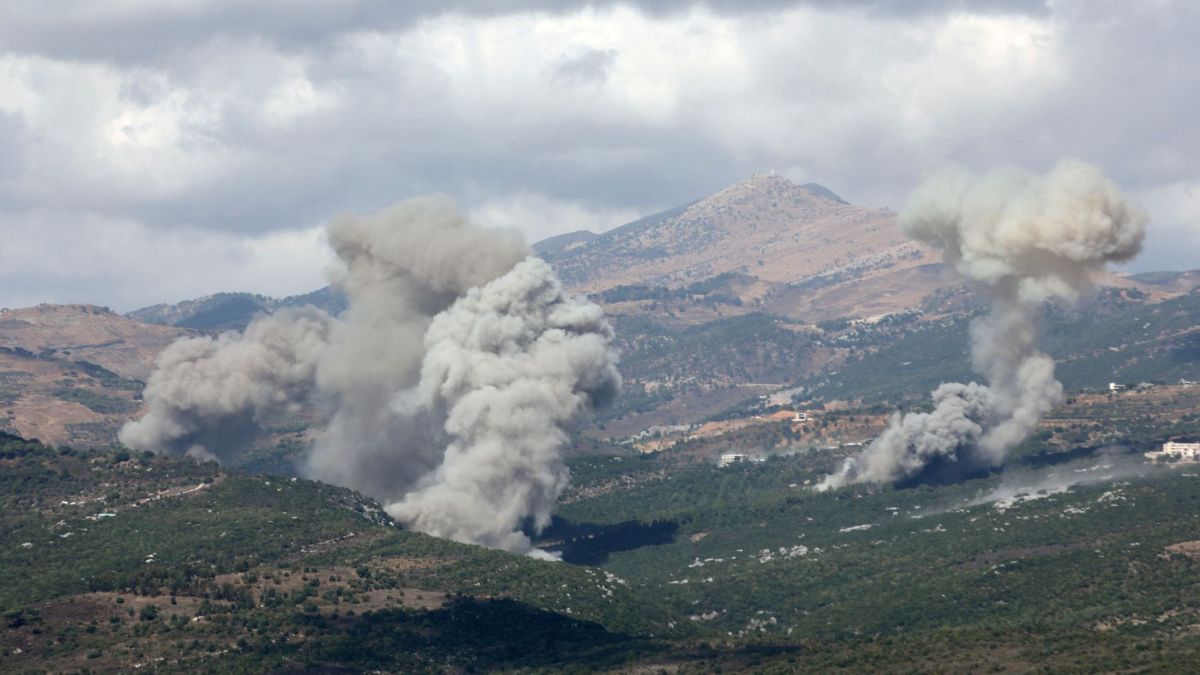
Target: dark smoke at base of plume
x=449, y=381
x=1024, y=240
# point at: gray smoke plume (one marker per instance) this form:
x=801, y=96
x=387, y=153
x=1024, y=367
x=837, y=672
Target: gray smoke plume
x=509, y=364
x=448, y=381
x=1024, y=239
x=208, y=395
x=401, y=268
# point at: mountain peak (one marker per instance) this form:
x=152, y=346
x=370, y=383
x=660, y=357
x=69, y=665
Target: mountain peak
x=773, y=184
x=765, y=226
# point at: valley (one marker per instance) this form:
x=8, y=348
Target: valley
x=776, y=341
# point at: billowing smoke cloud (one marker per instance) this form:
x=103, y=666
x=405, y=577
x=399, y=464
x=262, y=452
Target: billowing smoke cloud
x=1024, y=239
x=401, y=268
x=510, y=364
x=208, y=395
x=450, y=380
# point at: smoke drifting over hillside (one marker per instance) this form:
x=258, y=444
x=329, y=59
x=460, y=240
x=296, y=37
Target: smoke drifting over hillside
x=450, y=378
x=208, y=395
x=1024, y=239
x=401, y=268
x=509, y=364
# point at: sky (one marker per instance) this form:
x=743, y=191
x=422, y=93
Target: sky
x=156, y=151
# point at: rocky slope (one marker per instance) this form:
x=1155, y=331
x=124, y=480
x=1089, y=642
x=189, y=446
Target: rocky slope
x=87, y=333
x=72, y=374
x=794, y=239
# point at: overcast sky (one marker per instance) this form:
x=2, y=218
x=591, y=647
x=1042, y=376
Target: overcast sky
x=155, y=151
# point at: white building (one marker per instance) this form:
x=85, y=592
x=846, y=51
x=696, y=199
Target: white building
x=729, y=458
x=1188, y=452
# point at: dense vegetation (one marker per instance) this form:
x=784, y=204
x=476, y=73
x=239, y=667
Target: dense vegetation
x=1078, y=557
x=112, y=559
x=661, y=362
x=233, y=311
x=718, y=290
x=1115, y=337
x=1033, y=581
x=128, y=557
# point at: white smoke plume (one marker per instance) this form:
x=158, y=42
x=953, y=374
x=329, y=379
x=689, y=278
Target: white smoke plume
x=1024, y=239
x=450, y=380
x=510, y=364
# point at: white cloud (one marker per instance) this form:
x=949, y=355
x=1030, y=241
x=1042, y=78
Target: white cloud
x=538, y=216
x=237, y=120
x=1174, y=240
x=136, y=266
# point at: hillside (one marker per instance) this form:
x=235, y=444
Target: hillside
x=73, y=374
x=115, y=562
x=560, y=242
x=768, y=285
x=63, y=402
x=232, y=311
x=949, y=579
x=112, y=563
x=788, y=237
x=86, y=333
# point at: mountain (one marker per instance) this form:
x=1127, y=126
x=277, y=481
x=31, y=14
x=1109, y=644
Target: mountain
x=86, y=333
x=1161, y=284
x=72, y=374
x=232, y=311
x=221, y=311
x=768, y=285
x=791, y=239
x=327, y=298
x=558, y=243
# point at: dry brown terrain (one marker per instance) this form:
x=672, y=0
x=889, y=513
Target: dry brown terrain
x=803, y=252
x=765, y=226
x=1190, y=549
x=804, y=247
x=48, y=399
x=72, y=374
x=87, y=333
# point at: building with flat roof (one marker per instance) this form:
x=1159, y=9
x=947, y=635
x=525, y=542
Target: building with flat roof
x=1177, y=450
x=730, y=458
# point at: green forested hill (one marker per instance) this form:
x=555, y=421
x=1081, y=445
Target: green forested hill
x=688, y=568
x=1115, y=337
x=1011, y=572
x=109, y=561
